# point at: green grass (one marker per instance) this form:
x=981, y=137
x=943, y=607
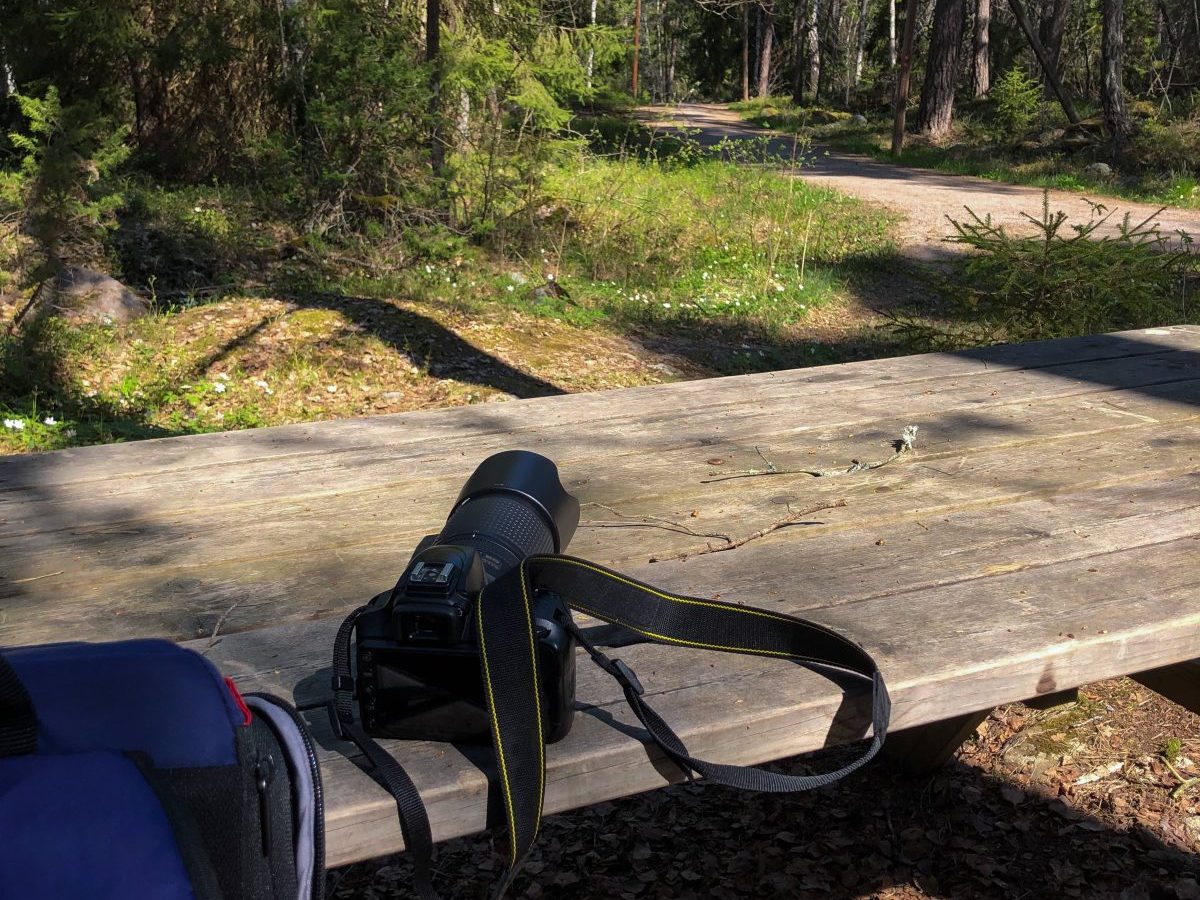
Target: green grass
x=972, y=151
x=655, y=242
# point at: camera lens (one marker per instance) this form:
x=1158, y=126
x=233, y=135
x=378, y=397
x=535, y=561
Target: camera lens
x=513, y=506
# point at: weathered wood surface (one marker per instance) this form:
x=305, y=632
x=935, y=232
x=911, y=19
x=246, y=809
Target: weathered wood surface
x=1045, y=533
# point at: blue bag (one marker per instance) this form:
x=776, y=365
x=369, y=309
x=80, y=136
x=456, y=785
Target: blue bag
x=134, y=770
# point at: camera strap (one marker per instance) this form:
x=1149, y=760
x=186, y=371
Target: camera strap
x=508, y=651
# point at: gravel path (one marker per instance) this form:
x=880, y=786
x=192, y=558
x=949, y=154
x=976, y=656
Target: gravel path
x=924, y=197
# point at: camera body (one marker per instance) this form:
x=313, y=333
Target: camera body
x=417, y=647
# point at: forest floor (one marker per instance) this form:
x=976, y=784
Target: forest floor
x=923, y=197
x=1076, y=801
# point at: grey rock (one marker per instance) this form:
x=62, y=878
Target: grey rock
x=858, y=119
x=1050, y=135
x=83, y=295
x=1098, y=170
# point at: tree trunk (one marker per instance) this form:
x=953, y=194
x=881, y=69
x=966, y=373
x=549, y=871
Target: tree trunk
x=668, y=53
x=901, y=100
x=1112, y=91
x=1050, y=31
x=981, y=63
x=745, y=52
x=433, y=56
x=637, y=45
x=891, y=7
x=941, y=68
x=591, y=54
x=798, y=68
x=768, y=41
x=1048, y=68
x=862, y=41
x=814, y=47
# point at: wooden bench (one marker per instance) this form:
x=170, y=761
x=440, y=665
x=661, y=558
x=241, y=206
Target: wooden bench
x=1044, y=533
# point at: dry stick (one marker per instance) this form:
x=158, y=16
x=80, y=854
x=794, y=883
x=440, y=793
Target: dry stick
x=649, y=522
x=902, y=445
x=1184, y=781
x=762, y=532
x=212, y=640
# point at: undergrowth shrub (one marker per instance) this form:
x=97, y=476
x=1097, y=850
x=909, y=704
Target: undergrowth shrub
x=1063, y=280
x=1018, y=101
x=68, y=157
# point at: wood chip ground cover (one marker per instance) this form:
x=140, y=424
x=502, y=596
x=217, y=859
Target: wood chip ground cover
x=1088, y=814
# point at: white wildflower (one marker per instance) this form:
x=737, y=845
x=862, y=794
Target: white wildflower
x=14, y=424
x=70, y=432
x=223, y=376
x=49, y=420
x=331, y=388
x=219, y=387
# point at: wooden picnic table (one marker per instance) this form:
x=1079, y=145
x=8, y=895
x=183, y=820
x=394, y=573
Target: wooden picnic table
x=1044, y=533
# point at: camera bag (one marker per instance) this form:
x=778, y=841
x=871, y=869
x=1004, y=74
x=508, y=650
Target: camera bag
x=642, y=613
x=134, y=770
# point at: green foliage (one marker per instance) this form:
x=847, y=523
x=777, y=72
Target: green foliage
x=1082, y=279
x=1018, y=101
x=686, y=237
x=364, y=149
x=68, y=157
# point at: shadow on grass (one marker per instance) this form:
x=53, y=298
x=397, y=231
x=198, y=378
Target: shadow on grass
x=426, y=343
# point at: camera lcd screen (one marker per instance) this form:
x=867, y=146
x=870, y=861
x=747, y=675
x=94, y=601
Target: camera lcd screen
x=435, y=696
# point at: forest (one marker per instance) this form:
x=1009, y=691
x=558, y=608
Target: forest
x=448, y=164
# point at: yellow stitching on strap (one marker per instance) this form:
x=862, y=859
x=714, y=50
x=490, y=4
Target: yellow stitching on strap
x=487, y=681
x=670, y=640
x=649, y=590
x=537, y=700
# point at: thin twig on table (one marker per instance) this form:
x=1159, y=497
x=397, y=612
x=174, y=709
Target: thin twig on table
x=221, y=621
x=649, y=522
x=762, y=532
x=901, y=445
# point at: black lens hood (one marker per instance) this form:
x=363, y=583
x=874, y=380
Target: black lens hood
x=533, y=477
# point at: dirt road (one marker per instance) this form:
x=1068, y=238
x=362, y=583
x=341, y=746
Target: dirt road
x=924, y=197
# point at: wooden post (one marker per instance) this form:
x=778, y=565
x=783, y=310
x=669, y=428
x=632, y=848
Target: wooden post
x=1179, y=683
x=926, y=748
x=637, y=43
x=901, y=101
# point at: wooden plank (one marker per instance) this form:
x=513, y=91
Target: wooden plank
x=192, y=509
x=761, y=411
x=1179, y=683
x=947, y=652
x=145, y=596
x=356, y=514
x=391, y=434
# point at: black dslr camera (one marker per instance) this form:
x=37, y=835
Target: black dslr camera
x=419, y=673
